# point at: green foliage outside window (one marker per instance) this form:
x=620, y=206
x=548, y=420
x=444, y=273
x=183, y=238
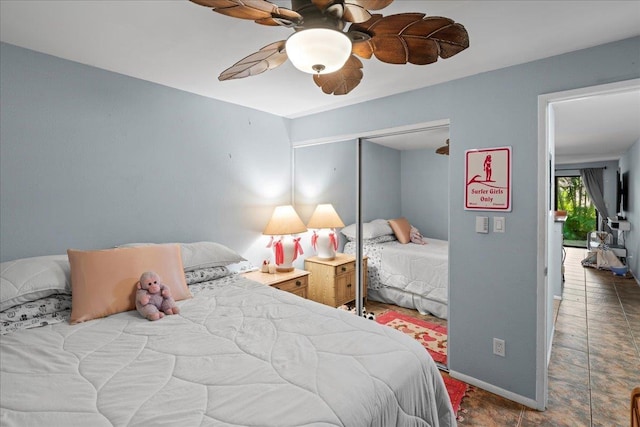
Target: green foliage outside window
x=581, y=214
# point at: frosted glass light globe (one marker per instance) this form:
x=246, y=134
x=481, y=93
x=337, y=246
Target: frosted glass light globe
x=318, y=50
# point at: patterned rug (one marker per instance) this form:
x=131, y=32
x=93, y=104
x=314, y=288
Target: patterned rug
x=434, y=338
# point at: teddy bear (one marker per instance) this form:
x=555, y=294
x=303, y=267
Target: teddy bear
x=153, y=298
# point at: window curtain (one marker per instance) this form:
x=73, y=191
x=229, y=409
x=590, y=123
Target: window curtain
x=593, y=182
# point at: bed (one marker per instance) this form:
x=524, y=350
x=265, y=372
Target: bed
x=406, y=274
x=239, y=353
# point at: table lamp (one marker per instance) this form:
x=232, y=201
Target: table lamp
x=325, y=240
x=284, y=222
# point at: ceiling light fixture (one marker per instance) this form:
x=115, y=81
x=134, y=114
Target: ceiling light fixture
x=330, y=35
x=318, y=50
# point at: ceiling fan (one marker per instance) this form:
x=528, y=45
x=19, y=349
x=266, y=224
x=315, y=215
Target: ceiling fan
x=321, y=46
x=444, y=150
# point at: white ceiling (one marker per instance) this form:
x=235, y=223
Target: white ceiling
x=432, y=137
x=179, y=44
x=596, y=128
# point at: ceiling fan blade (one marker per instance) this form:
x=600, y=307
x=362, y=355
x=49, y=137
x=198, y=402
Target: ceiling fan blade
x=444, y=149
x=347, y=10
x=361, y=42
x=260, y=11
x=412, y=37
x=342, y=81
x=370, y=4
x=355, y=13
x=267, y=58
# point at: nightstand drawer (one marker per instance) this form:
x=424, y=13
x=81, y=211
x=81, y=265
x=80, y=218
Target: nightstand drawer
x=345, y=268
x=293, y=285
x=295, y=282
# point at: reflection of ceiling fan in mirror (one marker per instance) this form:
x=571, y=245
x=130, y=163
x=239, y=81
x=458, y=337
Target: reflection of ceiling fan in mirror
x=321, y=46
x=444, y=150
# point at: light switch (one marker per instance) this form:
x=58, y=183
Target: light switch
x=482, y=224
x=498, y=224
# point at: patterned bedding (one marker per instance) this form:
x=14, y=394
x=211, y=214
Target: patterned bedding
x=410, y=275
x=239, y=353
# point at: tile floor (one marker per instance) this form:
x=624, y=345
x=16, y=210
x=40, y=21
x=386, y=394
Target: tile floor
x=595, y=358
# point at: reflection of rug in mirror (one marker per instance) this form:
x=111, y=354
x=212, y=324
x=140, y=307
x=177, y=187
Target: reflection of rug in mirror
x=433, y=337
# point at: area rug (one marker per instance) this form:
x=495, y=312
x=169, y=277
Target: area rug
x=457, y=390
x=434, y=339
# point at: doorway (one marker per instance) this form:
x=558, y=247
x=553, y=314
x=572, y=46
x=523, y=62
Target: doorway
x=582, y=217
x=547, y=157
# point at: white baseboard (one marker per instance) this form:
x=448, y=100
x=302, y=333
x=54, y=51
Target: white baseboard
x=531, y=403
x=559, y=298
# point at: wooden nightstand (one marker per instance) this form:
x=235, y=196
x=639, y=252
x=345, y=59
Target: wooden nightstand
x=296, y=281
x=334, y=282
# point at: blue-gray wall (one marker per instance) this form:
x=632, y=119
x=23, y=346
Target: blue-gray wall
x=381, y=197
x=425, y=191
x=324, y=173
x=493, y=277
x=630, y=163
x=91, y=159
x=395, y=183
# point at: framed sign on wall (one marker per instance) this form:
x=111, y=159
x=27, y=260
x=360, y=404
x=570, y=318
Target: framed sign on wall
x=488, y=179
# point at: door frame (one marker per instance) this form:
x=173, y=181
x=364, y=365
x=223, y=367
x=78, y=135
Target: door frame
x=546, y=168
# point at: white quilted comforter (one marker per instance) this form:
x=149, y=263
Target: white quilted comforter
x=419, y=269
x=239, y=354
x=398, y=270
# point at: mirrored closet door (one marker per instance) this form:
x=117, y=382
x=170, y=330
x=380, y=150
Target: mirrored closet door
x=401, y=176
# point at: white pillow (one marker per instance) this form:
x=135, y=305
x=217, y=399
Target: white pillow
x=29, y=279
x=370, y=230
x=202, y=254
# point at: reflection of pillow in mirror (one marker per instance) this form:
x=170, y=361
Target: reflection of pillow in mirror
x=370, y=230
x=380, y=239
x=103, y=282
x=402, y=229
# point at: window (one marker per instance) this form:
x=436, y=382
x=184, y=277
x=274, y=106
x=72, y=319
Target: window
x=571, y=196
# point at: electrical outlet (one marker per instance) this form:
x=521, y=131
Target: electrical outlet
x=498, y=347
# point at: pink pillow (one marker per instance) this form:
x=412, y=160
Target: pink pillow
x=103, y=282
x=402, y=229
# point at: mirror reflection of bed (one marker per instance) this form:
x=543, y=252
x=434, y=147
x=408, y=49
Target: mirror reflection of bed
x=402, y=177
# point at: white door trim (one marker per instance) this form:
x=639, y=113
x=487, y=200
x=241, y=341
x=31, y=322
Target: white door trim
x=545, y=140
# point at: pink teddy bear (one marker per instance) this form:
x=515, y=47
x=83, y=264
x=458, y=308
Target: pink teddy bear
x=153, y=298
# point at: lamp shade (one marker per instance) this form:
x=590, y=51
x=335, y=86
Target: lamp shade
x=318, y=50
x=325, y=216
x=284, y=221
